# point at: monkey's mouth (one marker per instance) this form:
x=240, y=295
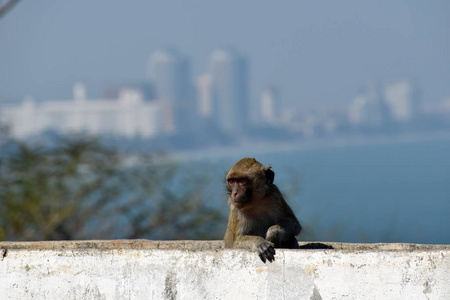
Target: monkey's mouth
x=238, y=199
x=239, y=203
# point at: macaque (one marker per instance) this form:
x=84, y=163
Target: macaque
x=260, y=219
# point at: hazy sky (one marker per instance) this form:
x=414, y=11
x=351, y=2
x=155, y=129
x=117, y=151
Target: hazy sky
x=317, y=52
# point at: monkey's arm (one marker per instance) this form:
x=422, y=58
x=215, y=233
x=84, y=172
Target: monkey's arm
x=284, y=233
x=263, y=247
x=231, y=232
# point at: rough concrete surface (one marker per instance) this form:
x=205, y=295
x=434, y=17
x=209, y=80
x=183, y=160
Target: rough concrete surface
x=140, y=269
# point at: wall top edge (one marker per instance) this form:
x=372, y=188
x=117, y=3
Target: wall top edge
x=206, y=245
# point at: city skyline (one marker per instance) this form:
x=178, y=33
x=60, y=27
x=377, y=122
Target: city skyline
x=173, y=105
x=316, y=54
x=167, y=104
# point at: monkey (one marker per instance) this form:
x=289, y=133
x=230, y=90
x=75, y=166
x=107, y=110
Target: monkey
x=260, y=220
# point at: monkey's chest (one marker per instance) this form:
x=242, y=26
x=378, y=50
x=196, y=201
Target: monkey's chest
x=257, y=227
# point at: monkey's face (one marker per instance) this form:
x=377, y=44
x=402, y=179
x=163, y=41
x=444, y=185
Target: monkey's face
x=240, y=191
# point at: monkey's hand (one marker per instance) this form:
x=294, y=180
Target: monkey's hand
x=263, y=247
x=274, y=235
x=266, y=251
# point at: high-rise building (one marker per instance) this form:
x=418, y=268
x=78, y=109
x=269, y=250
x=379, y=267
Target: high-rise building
x=401, y=99
x=270, y=105
x=368, y=108
x=168, y=72
x=204, y=96
x=229, y=84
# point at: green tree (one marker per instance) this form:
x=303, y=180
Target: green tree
x=77, y=188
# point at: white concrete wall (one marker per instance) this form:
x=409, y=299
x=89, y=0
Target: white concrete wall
x=201, y=270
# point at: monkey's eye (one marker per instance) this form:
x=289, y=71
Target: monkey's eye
x=242, y=181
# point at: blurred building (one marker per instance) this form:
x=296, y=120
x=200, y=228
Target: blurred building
x=205, y=96
x=402, y=100
x=229, y=84
x=270, y=106
x=368, y=108
x=168, y=72
x=128, y=116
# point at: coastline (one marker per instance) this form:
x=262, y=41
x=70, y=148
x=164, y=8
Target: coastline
x=251, y=149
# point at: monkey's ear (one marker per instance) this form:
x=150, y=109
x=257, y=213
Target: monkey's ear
x=270, y=175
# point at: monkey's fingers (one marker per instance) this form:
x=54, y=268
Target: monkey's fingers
x=266, y=252
x=270, y=254
x=263, y=258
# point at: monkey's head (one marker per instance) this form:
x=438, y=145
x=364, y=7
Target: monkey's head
x=248, y=180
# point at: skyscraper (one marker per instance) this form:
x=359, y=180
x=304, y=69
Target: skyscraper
x=204, y=95
x=228, y=72
x=401, y=99
x=270, y=105
x=168, y=72
x=368, y=108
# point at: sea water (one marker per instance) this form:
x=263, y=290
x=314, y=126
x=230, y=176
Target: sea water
x=369, y=192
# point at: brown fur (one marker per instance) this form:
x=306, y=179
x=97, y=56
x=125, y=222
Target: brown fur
x=260, y=219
